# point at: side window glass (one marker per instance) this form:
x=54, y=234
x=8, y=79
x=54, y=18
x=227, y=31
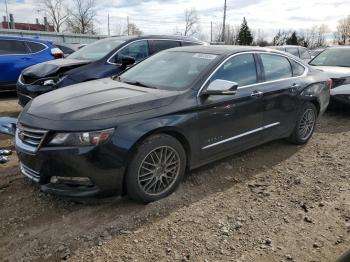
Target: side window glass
x=35, y=47
x=12, y=47
x=138, y=50
x=160, y=45
x=293, y=51
x=304, y=53
x=240, y=69
x=276, y=67
x=189, y=43
x=298, y=69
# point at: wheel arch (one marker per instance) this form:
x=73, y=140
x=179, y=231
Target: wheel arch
x=171, y=131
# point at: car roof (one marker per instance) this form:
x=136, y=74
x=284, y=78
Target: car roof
x=171, y=37
x=223, y=49
x=338, y=47
x=275, y=46
x=25, y=39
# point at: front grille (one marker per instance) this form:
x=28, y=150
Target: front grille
x=28, y=172
x=30, y=137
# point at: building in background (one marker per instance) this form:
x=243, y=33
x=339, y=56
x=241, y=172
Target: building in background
x=26, y=26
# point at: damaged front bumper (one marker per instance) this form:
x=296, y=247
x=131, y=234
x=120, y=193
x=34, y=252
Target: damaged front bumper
x=8, y=126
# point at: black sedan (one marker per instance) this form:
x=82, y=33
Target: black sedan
x=138, y=133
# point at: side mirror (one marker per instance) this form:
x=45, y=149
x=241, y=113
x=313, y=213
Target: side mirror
x=221, y=87
x=126, y=61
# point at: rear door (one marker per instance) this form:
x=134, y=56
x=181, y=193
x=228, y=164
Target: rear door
x=231, y=122
x=280, y=93
x=14, y=57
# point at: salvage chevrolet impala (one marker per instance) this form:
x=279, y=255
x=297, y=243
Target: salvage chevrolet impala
x=138, y=133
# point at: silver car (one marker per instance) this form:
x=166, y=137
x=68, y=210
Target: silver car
x=335, y=61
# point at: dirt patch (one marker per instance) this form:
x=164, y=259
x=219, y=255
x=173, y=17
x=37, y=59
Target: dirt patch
x=277, y=202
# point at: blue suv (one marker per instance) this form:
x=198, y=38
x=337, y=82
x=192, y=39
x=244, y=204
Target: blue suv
x=18, y=53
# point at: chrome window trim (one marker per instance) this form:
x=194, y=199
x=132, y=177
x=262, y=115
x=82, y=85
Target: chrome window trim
x=146, y=39
x=241, y=135
x=22, y=40
x=256, y=84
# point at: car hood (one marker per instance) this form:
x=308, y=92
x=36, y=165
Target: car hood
x=97, y=100
x=334, y=71
x=53, y=67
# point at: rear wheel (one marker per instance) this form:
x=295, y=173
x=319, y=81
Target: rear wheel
x=156, y=169
x=305, y=126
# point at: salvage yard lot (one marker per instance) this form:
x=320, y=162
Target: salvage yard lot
x=277, y=202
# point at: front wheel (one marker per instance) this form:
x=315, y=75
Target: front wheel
x=305, y=125
x=156, y=169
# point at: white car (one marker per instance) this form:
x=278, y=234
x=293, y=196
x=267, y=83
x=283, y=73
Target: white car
x=335, y=61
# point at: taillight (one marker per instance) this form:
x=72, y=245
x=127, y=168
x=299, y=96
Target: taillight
x=330, y=83
x=57, y=53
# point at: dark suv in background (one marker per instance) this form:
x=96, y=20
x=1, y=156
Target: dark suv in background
x=100, y=59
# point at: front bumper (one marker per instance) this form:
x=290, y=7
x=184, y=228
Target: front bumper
x=344, y=99
x=95, y=163
x=26, y=93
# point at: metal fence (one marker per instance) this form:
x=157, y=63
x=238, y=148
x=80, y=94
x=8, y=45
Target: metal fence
x=53, y=36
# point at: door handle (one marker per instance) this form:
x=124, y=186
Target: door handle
x=257, y=94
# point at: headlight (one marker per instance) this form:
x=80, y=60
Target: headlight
x=82, y=139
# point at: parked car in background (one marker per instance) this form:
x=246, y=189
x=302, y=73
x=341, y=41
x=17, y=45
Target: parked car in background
x=299, y=51
x=335, y=61
x=100, y=59
x=18, y=53
x=138, y=132
x=316, y=52
x=69, y=49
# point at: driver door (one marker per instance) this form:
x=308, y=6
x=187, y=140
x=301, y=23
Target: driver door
x=231, y=122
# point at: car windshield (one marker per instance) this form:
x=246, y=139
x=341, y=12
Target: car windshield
x=333, y=57
x=168, y=70
x=97, y=50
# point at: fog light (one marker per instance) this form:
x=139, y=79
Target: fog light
x=73, y=181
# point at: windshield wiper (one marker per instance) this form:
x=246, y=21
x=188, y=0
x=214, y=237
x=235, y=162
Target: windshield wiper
x=137, y=83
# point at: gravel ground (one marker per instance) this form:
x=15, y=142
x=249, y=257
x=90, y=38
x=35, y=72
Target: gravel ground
x=277, y=202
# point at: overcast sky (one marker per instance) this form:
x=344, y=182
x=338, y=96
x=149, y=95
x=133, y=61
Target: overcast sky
x=167, y=16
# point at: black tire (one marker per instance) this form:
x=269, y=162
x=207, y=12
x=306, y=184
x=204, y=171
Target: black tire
x=298, y=137
x=146, y=160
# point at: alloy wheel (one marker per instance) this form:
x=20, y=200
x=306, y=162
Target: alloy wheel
x=159, y=170
x=307, y=124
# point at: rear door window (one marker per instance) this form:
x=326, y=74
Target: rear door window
x=293, y=51
x=304, y=53
x=35, y=47
x=138, y=50
x=12, y=47
x=189, y=43
x=240, y=69
x=276, y=67
x=160, y=45
x=298, y=69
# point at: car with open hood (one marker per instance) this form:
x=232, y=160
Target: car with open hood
x=137, y=133
x=100, y=59
x=335, y=62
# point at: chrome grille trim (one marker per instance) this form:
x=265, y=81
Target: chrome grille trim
x=30, y=139
x=30, y=173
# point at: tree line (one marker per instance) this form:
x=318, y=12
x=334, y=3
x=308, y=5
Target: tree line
x=80, y=16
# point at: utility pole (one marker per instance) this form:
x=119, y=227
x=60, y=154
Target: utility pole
x=128, y=24
x=211, y=31
x=223, y=23
x=7, y=16
x=109, y=31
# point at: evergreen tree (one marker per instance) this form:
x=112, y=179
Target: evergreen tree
x=293, y=39
x=245, y=36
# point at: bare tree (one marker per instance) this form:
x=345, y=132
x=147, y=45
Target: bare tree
x=56, y=12
x=81, y=16
x=343, y=31
x=281, y=38
x=314, y=37
x=132, y=29
x=192, y=22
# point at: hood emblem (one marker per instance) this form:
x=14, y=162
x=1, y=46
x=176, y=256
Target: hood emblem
x=21, y=135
